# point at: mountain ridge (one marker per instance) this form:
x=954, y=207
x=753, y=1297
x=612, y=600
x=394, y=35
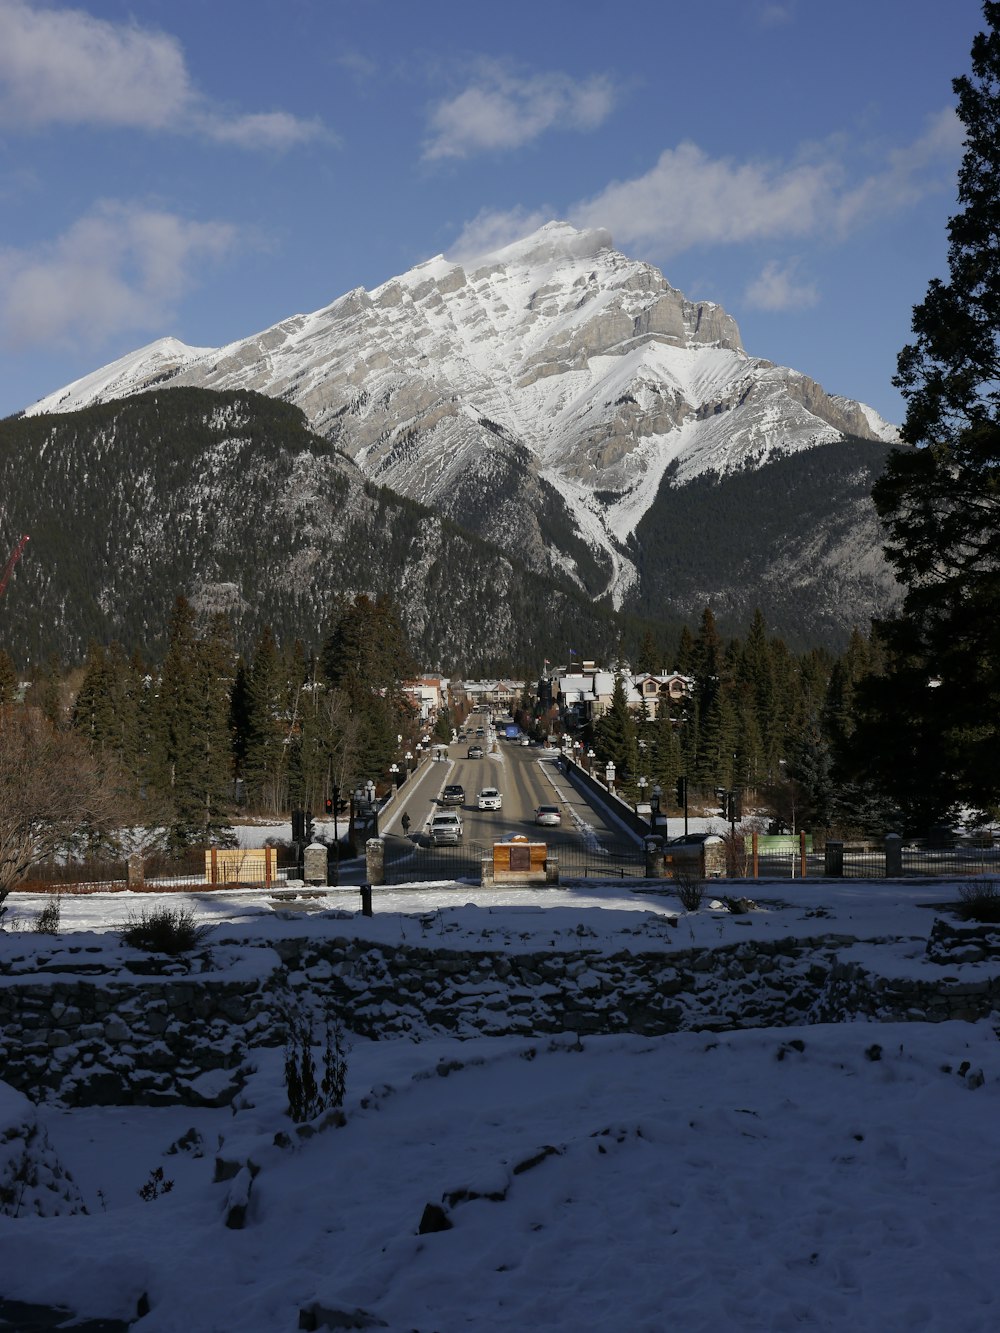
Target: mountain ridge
x=541, y=395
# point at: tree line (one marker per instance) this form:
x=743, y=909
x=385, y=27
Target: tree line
x=208, y=728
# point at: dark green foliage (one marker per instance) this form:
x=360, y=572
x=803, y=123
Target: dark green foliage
x=937, y=710
x=191, y=747
x=615, y=734
x=810, y=764
x=366, y=658
x=740, y=535
x=263, y=703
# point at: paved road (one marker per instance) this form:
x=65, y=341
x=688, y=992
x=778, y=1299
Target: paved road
x=526, y=777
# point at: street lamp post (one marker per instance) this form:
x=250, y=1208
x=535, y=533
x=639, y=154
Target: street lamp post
x=335, y=793
x=409, y=762
x=394, y=771
x=590, y=760
x=641, y=783
x=609, y=774
x=654, y=804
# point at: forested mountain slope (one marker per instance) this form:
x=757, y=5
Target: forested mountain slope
x=230, y=499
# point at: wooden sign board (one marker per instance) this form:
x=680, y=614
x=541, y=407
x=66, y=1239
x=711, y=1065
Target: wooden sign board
x=521, y=856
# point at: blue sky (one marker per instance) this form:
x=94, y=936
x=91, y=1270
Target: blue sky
x=205, y=168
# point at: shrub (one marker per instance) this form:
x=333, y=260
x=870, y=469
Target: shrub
x=169, y=930
x=48, y=917
x=306, y=1098
x=979, y=900
x=155, y=1186
x=690, y=888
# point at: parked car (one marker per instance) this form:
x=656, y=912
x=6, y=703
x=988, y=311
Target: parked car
x=525, y=740
x=548, y=814
x=489, y=799
x=445, y=828
x=453, y=794
x=475, y=752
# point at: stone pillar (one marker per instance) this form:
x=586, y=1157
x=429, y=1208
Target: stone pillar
x=552, y=868
x=135, y=876
x=375, y=860
x=713, y=860
x=893, y=855
x=833, y=866
x=314, y=864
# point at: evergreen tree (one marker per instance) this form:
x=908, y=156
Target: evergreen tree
x=665, y=752
x=649, y=659
x=192, y=759
x=941, y=500
x=811, y=766
x=714, y=739
x=261, y=695
x=93, y=710
x=615, y=735
x=367, y=657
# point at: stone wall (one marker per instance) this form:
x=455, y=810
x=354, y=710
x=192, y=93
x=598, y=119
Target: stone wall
x=181, y=1031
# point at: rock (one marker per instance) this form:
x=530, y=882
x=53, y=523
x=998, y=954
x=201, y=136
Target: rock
x=434, y=1218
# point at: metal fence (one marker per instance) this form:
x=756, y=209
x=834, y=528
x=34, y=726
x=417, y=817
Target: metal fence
x=867, y=860
x=411, y=861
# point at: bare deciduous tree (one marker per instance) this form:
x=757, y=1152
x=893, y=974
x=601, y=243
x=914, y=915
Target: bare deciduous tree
x=55, y=796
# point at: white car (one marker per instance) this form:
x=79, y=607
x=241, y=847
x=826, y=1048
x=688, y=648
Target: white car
x=548, y=814
x=489, y=799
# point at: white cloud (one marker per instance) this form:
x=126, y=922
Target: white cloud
x=64, y=66
x=122, y=267
x=502, y=110
x=690, y=199
x=776, y=14
x=778, y=288
x=270, y=129
x=909, y=173
x=489, y=231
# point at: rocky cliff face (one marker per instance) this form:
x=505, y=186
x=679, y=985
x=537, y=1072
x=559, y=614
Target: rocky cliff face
x=541, y=395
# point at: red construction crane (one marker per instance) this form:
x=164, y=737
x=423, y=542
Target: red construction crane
x=8, y=568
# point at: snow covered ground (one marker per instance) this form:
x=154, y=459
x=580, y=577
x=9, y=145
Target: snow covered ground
x=819, y=1178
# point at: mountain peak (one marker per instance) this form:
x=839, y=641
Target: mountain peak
x=553, y=241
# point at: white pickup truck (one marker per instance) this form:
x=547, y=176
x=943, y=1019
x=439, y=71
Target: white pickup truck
x=445, y=827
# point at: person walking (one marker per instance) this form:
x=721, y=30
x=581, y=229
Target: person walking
x=405, y=821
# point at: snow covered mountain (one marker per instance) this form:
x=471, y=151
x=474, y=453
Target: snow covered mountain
x=543, y=395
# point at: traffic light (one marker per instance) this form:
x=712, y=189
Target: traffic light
x=329, y=805
x=682, y=791
x=298, y=826
x=310, y=829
